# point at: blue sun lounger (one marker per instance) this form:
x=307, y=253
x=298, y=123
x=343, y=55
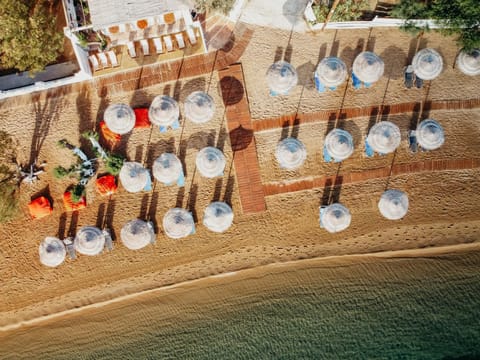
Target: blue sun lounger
x=357, y=84
x=368, y=149
x=412, y=141
x=326, y=155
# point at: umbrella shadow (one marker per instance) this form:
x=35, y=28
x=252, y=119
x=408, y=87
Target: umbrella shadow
x=240, y=138
x=232, y=90
x=394, y=59
x=305, y=75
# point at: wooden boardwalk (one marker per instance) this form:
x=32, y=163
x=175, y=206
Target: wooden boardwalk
x=239, y=125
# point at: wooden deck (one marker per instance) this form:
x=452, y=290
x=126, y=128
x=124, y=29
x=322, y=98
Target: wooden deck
x=239, y=124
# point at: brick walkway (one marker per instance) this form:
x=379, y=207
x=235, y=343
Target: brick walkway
x=348, y=113
x=275, y=188
x=239, y=125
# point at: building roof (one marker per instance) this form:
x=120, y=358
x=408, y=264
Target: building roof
x=104, y=13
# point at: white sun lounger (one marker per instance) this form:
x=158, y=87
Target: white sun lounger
x=145, y=47
x=94, y=62
x=158, y=45
x=103, y=59
x=131, y=49
x=168, y=42
x=191, y=35
x=180, y=40
x=113, y=58
x=187, y=17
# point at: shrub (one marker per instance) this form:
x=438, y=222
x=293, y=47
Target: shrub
x=8, y=179
x=114, y=163
x=77, y=191
x=223, y=6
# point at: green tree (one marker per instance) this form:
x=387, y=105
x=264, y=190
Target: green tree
x=29, y=40
x=8, y=180
x=455, y=17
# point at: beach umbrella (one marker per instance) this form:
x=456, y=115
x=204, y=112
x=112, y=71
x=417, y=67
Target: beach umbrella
x=89, y=240
x=167, y=168
x=430, y=135
x=393, y=204
x=331, y=71
x=427, y=64
x=52, y=251
x=384, y=137
x=368, y=67
x=163, y=111
x=281, y=77
x=335, y=217
x=469, y=62
x=120, y=118
x=218, y=216
x=133, y=176
x=137, y=234
x=210, y=162
x=178, y=223
x=290, y=153
x=199, y=107
x=339, y=144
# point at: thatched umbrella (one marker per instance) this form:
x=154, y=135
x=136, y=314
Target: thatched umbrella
x=137, y=234
x=281, y=77
x=393, y=204
x=339, y=144
x=469, y=62
x=335, y=218
x=199, y=107
x=167, y=168
x=120, y=118
x=210, y=162
x=163, y=111
x=368, y=67
x=218, y=216
x=427, y=64
x=178, y=223
x=290, y=153
x=384, y=137
x=52, y=251
x=89, y=240
x=430, y=134
x=133, y=176
x=331, y=71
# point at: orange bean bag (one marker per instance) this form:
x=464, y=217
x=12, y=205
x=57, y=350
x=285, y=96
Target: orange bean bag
x=109, y=136
x=73, y=206
x=106, y=185
x=40, y=207
x=141, y=118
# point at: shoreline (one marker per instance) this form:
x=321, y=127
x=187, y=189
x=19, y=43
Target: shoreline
x=435, y=251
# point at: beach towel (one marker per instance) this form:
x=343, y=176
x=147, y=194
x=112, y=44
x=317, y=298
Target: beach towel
x=106, y=185
x=110, y=137
x=40, y=207
x=141, y=118
x=73, y=206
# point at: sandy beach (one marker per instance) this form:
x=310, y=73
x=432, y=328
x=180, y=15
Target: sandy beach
x=443, y=209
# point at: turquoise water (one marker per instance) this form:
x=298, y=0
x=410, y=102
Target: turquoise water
x=388, y=309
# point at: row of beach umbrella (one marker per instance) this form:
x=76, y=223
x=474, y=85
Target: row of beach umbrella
x=136, y=234
x=383, y=138
x=368, y=68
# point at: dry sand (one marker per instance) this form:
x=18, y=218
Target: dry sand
x=443, y=205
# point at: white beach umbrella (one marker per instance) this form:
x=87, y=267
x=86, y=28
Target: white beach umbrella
x=119, y=118
x=52, y=251
x=89, y=240
x=339, y=144
x=393, y=204
x=335, y=218
x=167, y=168
x=218, y=216
x=430, y=134
x=368, y=67
x=163, y=111
x=199, y=107
x=384, y=137
x=427, y=64
x=331, y=71
x=210, y=162
x=178, y=223
x=133, y=176
x=290, y=153
x=281, y=77
x=469, y=62
x=137, y=234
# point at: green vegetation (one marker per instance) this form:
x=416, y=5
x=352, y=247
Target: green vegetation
x=223, y=6
x=77, y=191
x=114, y=163
x=348, y=10
x=8, y=179
x=456, y=17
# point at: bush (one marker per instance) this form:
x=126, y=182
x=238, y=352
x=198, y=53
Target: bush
x=223, y=6
x=348, y=10
x=8, y=179
x=114, y=163
x=8, y=201
x=77, y=191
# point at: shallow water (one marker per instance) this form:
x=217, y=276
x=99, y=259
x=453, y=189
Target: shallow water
x=365, y=308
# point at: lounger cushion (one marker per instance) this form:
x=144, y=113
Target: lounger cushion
x=141, y=118
x=106, y=185
x=73, y=206
x=40, y=207
x=109, y=136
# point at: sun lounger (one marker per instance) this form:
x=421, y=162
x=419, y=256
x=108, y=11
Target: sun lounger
x=368, y=149
x=181, y=180
x=113, y=58
x=418, y=82
x=168, y=42
x=145, y=47
x=158, y=45
x=408, y=77
x=357, y=84
x=191, y=35
x=187, y=16
x=180, y=40
x=103, y=59
x=131, y=49
x=94, y=62
x=318, y=85
x=108, y=239
x=367, y=85
x=70, y=249
x=322, y=210
x=412, y=141
x=326, y=155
